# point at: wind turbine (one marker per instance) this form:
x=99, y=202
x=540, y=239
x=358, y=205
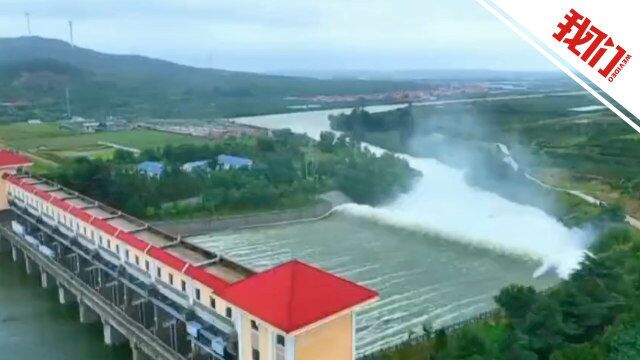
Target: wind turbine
x=27, y=17
x=71, y=33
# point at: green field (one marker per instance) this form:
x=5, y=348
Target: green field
x=50, y=145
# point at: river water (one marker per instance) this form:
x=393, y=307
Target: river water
x=422, y=278
x=34, y=326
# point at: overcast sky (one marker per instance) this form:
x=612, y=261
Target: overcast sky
x=264, y=35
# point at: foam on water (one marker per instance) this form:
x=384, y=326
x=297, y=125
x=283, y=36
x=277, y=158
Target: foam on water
x=442, y=202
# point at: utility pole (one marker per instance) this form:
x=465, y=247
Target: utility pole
x=71, y=33
x=68, y=104
x=28, y=18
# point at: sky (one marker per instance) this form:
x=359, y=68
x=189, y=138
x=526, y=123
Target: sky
x=270, y=35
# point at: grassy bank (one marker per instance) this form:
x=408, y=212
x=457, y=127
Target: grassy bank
x=51, y=145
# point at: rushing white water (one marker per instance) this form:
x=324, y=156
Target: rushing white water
x=444, y=203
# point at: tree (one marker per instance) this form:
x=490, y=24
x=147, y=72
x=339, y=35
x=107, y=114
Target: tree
x=544, y=328
x=280, y=169
x=327, y=140
x=441, y=341
x=513, y=346
x=123, y=156
x=614, y=213
x=516, y=300
x=580, y=352
x=624, y=341
x=468, y=344
x=265, y=144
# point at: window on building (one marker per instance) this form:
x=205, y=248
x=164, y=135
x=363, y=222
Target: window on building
x=212, y=302
x=126, y=254
x=117, y=249
x=137, y=260
x=183, y=285
x=279, y=347
x=146, y=265
x=108, y=244
x=255, y=354
x=159, y=271
x=254, y=325
x=228, y=312
x=197, y=294
x=170, y=279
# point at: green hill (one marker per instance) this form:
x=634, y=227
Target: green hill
x=35, y=73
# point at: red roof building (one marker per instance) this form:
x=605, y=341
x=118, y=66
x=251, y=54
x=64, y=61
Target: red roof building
x=10, y=159
x=295, y=295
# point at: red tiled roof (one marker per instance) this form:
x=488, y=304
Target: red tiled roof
x=8, y=158
x=294, y=295
x=167, y=258
x=207, y=279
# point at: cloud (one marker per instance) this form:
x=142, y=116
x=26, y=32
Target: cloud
x=260, y=35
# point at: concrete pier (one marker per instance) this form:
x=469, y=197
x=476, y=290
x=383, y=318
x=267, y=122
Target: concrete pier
x=65, y=296
x=102, y=294
x=44, y=278
x=27, y=264
x=86, y=313
x=111, y=335
x=137, y=354
x=14, y=253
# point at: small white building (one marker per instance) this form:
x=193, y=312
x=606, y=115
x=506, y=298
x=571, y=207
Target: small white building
x=195, y=165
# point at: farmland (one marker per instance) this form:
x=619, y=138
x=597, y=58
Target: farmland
x=50, y=145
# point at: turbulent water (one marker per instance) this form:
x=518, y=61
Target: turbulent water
x=422, y=279
x=437, y=254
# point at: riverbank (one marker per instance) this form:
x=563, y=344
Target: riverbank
x=323, y=207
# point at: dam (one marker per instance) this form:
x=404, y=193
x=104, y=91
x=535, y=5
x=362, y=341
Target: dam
x=165, y=297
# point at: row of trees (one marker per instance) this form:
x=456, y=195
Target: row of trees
x=289, y=170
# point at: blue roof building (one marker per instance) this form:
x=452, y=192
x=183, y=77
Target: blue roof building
x=151, y=168
x=227, y=162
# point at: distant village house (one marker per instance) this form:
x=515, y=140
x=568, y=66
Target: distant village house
x=151, y=168
x=226, y=162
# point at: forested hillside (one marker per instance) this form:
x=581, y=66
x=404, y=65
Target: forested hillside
x=35, y=73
